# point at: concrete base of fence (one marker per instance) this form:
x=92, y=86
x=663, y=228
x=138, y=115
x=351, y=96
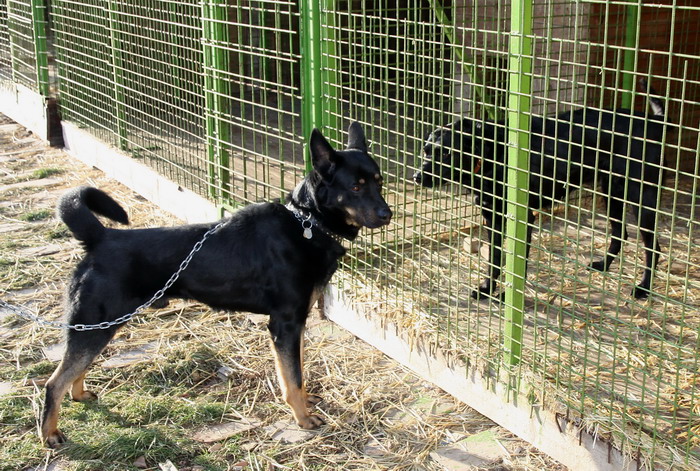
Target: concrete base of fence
x=562, y=440
x=25, y=106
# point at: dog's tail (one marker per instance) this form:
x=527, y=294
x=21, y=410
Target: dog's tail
x=657, y=106
x=76, y=210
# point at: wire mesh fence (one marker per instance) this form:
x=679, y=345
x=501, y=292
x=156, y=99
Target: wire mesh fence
x=204, y=93
x=18, y=59
x=5, y=53
x=589, y=349
x=216, y=97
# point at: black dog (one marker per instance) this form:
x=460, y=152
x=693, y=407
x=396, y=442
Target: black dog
x=618, y=151
x=268, y=258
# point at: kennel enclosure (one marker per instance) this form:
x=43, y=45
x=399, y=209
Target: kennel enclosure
x=220, y=98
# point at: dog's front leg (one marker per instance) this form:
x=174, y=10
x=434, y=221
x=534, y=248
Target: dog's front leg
x=287, y=348
x=494, y=227
x=618, y=233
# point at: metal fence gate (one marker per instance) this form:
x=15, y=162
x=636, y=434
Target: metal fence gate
x=219, y=97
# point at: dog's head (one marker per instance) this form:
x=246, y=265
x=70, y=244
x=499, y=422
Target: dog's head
x=451, y=153
x=348, y=183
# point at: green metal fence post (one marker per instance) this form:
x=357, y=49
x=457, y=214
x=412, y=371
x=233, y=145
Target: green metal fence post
x=216, y=94
x=520, y=71
x=330, y=76
x=311, y=81
x=40, y=46
x=319, y=71
x=631, y=30
x=117, y=74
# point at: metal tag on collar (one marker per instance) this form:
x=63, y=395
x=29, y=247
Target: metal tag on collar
x=306, y=224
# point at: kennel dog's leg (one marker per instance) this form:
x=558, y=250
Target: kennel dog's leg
x=647, y=228
x=618, y=233
x=495, y=234
x=287, y=344
x=528, y=242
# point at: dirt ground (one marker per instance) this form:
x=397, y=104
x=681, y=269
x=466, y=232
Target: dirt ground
x=379, y=415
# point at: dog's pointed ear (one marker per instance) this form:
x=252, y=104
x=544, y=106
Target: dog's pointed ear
x=356, y=137
x=323, y=156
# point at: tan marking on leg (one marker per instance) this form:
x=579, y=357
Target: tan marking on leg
x=293, y=395
x=50, y=434
x=70, y=371
x=78, y=391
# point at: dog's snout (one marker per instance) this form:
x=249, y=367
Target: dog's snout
x=384, y=214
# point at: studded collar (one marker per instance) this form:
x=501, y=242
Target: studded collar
x=309, y=222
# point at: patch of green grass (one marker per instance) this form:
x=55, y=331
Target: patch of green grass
x=32, y=370
x=38, y=369
x=21, y=454
x=10, y=244
x=230, y=452
x=59, y=232
x=142, y=409
x=45, y=173
x=20, y=446
x=149, y=410
x=39, y=215
x=113, y=447
x=16, y=412
x=124, y=425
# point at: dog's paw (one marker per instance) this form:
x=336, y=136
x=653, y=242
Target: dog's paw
x=85, y=396
x=484, y=292
x=312, y=399
x=55, y=439
x=598, y=266
x=640, y=292
x=310, y=422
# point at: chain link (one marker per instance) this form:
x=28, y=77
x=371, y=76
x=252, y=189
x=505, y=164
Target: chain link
x=127, y=317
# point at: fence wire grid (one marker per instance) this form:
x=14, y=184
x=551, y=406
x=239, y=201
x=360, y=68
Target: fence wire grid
x=220, y=96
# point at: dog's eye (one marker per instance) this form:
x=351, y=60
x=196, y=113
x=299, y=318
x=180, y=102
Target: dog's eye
x=355, y=188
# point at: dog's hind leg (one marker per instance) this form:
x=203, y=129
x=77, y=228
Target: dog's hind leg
x=69, y=375
x=617, y=235
x=647, y=226
x=495, y=235
x=287, y=345
x=70, y=371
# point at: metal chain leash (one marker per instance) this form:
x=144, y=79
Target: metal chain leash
x=127, y=317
